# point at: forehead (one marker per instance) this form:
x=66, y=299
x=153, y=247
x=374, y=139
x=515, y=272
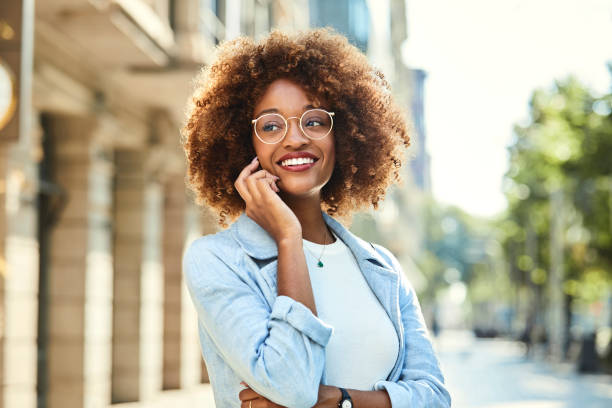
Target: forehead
x=285, y=96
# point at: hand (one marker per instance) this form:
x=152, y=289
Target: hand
x=258, y=190
x=328, y=398
x=251, y=399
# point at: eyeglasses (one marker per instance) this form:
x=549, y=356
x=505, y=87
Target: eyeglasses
x=271, y=128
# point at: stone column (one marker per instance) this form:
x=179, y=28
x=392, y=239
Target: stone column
x=198, y=222
x=3, y=269
x=138, y=282
x=128, y=221
x=99, y=277
x=3, y=154
x=174, y=230
x=19, y=266
x=191, y=356
x=152, y=294
x=79, y=269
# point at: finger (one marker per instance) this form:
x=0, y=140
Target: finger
x=251, y=167
x=248, y=170
x=240, y=182
x=242, y=189
x=250, y=404
x=259, y=174
x=251, y=183
x=274, y=186
x=248, y=394
x=264, y=174
x=256, y=402
x=273, y=180
x=267, y=187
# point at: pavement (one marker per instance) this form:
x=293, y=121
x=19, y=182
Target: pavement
x=494, y=373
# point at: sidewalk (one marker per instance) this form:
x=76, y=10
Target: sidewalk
x=495, y=374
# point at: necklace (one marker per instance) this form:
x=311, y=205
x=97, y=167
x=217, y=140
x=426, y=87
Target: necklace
x=319, y=263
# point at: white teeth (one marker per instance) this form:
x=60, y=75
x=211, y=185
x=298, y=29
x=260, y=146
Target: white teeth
x=297, y=161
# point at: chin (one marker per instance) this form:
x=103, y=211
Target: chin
x=300, y=189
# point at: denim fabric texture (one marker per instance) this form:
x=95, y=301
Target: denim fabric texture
x=276, y=344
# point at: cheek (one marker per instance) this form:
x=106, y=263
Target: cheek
x=331, y=153
x=258, y=147
x=256, y=143
x=264, y=152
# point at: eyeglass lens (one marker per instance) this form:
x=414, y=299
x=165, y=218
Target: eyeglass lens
x=315, y=123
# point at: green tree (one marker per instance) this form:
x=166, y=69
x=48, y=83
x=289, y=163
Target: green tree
x=567, y=147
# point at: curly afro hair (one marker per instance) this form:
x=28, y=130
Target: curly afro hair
x=370, y=129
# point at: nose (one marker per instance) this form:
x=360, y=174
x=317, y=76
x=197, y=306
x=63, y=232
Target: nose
x=294, y=137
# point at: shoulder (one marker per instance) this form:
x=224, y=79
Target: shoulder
x=210, y=244
x=388, y=256
x=362, y=248
x=394, y=263
x=209, y=252
x=407, y=291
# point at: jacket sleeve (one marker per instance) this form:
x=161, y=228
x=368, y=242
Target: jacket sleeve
x=279, y=352
x=421, y=383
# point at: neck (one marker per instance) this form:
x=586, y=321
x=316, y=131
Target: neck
x=308, y=212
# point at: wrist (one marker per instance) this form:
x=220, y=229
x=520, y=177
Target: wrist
x=345, y=400
x=289, y=241
x=337, y=397
x=329, y=396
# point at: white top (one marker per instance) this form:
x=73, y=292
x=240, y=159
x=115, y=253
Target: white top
x=364, y=345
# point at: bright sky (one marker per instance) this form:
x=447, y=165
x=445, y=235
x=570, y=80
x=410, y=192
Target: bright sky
x=484, y=58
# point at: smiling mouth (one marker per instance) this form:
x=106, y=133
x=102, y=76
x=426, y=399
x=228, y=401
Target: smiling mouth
x=297, y=161
x=297, y=164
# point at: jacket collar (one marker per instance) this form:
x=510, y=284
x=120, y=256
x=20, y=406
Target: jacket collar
x=257, y=243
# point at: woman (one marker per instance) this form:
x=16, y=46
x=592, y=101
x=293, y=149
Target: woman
x=293, y=309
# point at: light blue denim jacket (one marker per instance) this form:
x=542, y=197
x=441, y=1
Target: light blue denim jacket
x=276, y=344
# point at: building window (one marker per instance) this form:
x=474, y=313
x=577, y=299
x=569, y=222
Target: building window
x=349, y=17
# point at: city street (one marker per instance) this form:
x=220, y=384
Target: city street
x=494, y=374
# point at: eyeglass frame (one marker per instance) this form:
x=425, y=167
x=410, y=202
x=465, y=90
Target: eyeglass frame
x=286, y=120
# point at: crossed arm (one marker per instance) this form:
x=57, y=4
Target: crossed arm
x=328, y=398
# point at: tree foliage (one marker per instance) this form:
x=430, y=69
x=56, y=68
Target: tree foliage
x=567, y=147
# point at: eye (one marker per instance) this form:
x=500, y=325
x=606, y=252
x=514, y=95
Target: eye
x=270, y=127
x=311, y=122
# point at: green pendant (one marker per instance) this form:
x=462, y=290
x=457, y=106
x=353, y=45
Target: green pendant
x=320, y=264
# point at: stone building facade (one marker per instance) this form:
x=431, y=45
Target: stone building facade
x=94, y=214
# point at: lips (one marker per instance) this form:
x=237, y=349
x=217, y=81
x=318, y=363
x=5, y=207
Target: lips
x=297, y=161
x=297, y=155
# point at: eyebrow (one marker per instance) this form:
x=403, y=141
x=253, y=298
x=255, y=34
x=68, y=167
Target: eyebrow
x=274, y=110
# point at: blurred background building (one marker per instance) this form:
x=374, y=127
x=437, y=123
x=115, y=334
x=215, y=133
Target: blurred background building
x=94, y=212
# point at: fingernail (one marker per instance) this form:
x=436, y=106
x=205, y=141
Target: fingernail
x=254, y=159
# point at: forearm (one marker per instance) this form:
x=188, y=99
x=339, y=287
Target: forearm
x=329, y=396
x=293, y=279
x=370, y=399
